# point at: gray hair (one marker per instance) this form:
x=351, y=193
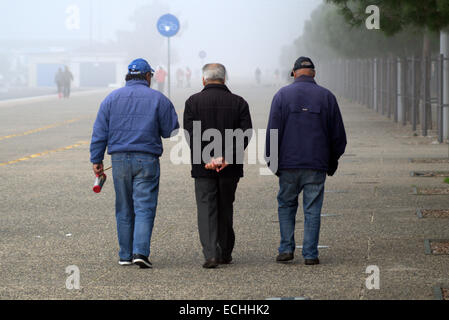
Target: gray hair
x=214, y=72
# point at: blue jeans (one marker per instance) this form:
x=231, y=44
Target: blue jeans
x=291, y=183
x=136, y=183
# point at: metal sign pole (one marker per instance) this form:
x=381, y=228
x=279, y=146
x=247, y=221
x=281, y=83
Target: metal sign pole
x=91, y=22
x=168, y=26
x=168, y=67
x=202, y=54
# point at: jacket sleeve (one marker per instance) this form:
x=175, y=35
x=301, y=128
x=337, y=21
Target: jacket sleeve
x=245, y=121
x=168, y=119
x=242, y=121
x=100, y=133
x=274, y=123
x=188, y=121
x=337, y=135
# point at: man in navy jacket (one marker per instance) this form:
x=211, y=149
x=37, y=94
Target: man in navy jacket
x=311, y=139
x=130, y=123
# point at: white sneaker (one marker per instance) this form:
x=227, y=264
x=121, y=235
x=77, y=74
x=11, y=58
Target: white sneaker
x=125, y=262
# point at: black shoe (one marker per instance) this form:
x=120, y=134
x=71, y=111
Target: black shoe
x=210, y=263
x=284, y=257
x=142, y=261
x=225, y=260
x=125, y=262
x=311, y=262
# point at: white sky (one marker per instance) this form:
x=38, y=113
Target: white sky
x=255, y=29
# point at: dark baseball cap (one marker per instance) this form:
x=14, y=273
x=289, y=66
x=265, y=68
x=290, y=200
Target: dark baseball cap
x=139, y=66
x=303, y=63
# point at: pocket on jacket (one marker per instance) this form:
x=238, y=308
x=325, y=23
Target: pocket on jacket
x=304, y=109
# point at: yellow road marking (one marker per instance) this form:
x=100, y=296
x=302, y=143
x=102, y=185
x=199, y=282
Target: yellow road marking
x=42, y=129
x=80, y=143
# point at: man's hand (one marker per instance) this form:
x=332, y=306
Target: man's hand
x=217, y=164
x=98, y=168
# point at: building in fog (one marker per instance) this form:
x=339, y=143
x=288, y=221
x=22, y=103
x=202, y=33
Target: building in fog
x=36, y=63
x=89, y=70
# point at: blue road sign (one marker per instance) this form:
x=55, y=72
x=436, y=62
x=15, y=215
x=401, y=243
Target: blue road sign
x=168, y=25
x=202, y=54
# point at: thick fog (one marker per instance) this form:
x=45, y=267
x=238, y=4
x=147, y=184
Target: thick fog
x=243, y=35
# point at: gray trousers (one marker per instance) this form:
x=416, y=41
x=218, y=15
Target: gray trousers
x=215, y=203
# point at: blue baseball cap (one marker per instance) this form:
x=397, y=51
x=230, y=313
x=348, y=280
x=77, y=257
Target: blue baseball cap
x=139, y=66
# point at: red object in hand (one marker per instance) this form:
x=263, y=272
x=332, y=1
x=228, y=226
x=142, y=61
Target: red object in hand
x=99, y=182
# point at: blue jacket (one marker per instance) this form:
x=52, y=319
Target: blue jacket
x=311, y=133
x=132, y=119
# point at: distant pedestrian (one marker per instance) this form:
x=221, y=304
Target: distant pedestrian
x=59, y=80
x=179, y=78
x=67, y=81
x=258, y=75
x=276, y=77
x=160, y=76
x=130, y=123
x=188, y=77
x=215, y=107
x=311, y=139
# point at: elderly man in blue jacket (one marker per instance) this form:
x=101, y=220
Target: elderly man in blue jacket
x=130, y=123
x=311, y=139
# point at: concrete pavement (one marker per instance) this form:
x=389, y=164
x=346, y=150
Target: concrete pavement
x=51, y=219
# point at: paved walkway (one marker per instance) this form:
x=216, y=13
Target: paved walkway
x=50, y=218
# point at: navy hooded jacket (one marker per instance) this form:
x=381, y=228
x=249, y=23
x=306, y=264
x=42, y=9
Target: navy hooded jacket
x=132, y=119
x=311, y=133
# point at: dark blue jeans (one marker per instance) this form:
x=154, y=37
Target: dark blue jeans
x=136, y=183
x=291, y=183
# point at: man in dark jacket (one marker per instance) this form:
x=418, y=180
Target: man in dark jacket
x=67, y=78
x=216, y=110
x=311, y=139
x=130, y=123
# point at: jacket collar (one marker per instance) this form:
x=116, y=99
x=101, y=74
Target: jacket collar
x=216, y=86
x=305, y=78
x=136, y=82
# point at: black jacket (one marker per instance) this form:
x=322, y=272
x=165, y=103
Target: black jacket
x=217, y=108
